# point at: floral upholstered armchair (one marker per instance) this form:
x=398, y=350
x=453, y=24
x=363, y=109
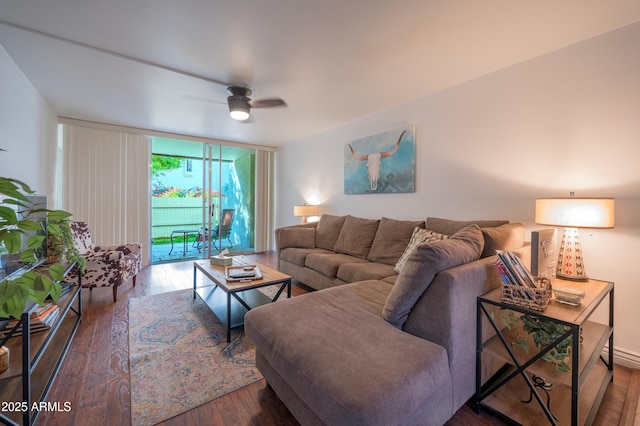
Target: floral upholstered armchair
x=107, y=266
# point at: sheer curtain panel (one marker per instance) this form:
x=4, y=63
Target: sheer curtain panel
x=105, y=181
x=265, y=211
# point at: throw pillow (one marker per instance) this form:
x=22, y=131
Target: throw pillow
x=419, y=236
x=301, y=237
x=422, y=266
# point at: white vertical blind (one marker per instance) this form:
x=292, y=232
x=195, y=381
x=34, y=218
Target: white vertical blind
x=265, y=211
x=106, y=183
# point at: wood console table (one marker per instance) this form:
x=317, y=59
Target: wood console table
x=35, y=359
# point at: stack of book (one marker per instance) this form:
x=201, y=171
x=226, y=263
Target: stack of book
x=512, y=271
x=41, y=319
x=64, y=288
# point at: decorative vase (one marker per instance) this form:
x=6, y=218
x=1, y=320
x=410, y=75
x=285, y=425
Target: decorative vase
x=4, y=359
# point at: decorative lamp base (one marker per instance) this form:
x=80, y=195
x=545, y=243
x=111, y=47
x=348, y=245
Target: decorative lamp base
x=570, y=260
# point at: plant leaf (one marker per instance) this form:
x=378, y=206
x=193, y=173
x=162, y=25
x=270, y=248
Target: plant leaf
x=57, y=272
x=41, y=288
x=27, y=256
x=36, y=241
x=12, y=241
x=30, y=225
x=9, y=215
x=522, y=343
x=13, y=296
x=58, y=215
x=54, y=229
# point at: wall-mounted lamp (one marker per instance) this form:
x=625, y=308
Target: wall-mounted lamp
x=305, y=211
x=574, y=213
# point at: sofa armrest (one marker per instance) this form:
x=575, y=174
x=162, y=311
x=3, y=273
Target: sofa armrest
x=128, y=248
x=446, y=314
x=282, y=239
x=100, y=255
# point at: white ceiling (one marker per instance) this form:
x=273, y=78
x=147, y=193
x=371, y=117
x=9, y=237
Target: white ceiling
x=332, y=61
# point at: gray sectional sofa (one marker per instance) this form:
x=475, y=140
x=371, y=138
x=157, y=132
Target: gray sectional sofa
x=377, y=346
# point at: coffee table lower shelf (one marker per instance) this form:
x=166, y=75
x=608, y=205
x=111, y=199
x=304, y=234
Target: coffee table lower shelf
x=216, y=299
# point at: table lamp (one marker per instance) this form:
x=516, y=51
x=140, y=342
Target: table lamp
x=305, y=211
x=574, y=213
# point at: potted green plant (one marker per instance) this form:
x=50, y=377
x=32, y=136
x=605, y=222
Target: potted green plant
x=30, y=285
x=544, y=332
x=60, y=244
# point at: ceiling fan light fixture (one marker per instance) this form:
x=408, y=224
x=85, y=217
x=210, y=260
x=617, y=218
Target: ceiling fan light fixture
x=238, y=107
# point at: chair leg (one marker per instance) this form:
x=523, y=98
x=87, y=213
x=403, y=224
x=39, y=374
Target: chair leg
x=134, y=280
x=115, y=294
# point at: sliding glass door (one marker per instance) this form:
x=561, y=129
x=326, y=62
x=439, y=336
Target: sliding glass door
x=203, y=199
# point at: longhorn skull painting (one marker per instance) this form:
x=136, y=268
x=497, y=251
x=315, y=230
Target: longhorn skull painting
x=380, y=164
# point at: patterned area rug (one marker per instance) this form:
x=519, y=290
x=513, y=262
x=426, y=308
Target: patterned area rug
x=179, y=357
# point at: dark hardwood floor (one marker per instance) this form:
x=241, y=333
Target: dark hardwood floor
x=94, y=376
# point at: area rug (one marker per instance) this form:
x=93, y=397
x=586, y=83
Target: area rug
x=179, y=356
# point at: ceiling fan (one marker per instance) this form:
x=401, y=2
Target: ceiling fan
x=240, y=104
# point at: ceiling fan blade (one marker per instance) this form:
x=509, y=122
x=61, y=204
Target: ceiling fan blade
x=267, y=103
x=203, y=99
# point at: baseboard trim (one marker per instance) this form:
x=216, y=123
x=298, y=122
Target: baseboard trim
x=624, y=357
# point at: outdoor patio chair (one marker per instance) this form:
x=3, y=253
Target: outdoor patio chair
x=220, y=232
x=107, y=266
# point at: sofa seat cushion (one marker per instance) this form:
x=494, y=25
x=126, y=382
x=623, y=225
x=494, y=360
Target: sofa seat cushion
x=328, y=263
x=354, y=272
x=372, y=374
x=299, y=255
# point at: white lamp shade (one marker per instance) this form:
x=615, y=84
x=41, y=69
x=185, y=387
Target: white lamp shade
x=305, y=210
x=575, y=212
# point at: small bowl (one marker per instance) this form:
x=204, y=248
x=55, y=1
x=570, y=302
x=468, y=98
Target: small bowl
x=568, y=295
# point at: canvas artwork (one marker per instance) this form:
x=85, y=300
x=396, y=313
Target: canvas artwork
x=383, y=163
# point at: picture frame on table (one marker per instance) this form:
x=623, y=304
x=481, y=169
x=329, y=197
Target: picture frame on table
x=544, y=260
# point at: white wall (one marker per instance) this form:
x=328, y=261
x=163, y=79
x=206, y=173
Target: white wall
x=28, y=127
x=566, y=121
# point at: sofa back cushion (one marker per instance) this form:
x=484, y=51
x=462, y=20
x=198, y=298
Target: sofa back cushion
x=503, y=237
x=301, y=237
x=392, y=237
x=81, y=237
x=327, y=231
x=422, y=266
x=356, y=236
x=450, y=227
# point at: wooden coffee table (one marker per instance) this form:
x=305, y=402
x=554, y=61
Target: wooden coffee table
x=218, y=297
